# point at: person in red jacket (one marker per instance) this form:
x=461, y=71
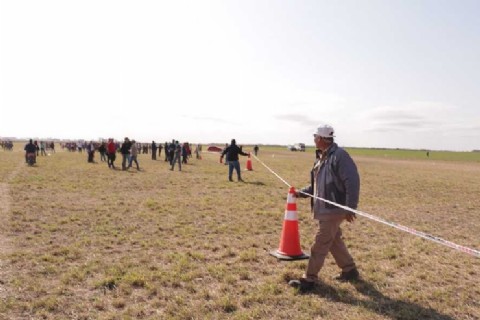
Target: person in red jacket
x=111, y=153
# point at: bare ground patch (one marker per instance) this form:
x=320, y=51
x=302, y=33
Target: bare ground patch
x=6, y=245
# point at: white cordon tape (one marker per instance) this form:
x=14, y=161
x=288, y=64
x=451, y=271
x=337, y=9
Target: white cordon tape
x=420, y=234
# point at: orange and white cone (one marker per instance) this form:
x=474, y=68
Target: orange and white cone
x=249, y=163
x=289, y=248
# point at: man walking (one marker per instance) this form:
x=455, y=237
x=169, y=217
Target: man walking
x=334, y=177
x=133, y=155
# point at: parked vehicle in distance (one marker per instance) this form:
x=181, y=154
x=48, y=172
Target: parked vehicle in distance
x=214, y=149
x=297, y=147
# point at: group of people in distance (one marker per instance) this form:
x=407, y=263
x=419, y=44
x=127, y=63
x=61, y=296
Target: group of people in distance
x=7, y=145
x=175, y=153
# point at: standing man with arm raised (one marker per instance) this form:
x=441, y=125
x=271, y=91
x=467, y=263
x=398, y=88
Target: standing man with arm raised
x=232, y=152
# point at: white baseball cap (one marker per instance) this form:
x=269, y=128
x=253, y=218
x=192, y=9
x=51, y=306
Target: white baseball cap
x=324, y=131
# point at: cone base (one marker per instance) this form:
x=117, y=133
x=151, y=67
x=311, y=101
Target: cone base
x=281, y=256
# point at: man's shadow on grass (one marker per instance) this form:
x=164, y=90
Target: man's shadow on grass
x=378, y=302
x=255, y=183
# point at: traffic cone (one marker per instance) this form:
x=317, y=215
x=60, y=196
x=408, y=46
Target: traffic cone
x=289, y=248
x=249, y=163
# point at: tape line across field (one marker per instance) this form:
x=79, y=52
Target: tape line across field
x=420, y=234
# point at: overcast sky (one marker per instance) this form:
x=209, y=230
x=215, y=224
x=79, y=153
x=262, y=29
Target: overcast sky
x=396, y=74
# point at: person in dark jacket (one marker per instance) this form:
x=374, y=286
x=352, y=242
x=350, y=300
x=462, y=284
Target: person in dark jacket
x=102, y=149
x=30, y=147
x=334, y=178
x=232, y=152
x=125, y=151
x=154, y=150
x=185, y=152
x=165, y=146
x=90, y=152
x=177, y=157
x=171, y=151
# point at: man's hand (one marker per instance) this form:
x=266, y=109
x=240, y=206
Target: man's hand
x=350, y=217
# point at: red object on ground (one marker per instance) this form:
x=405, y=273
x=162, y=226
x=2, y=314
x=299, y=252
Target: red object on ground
x=249, y=163
x=289, y=248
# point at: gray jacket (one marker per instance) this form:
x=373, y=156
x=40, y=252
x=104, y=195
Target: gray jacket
x=334, y=178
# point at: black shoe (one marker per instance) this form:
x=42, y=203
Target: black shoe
x=230, y=179
x=240, y=180
x=302, y=285
x=351, y=275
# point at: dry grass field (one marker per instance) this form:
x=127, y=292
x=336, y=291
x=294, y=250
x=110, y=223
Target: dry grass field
x=81, y=241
